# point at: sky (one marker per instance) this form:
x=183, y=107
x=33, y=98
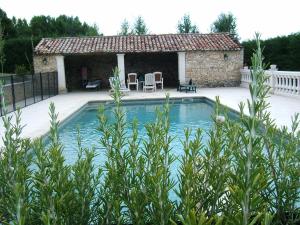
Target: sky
x=271, y=18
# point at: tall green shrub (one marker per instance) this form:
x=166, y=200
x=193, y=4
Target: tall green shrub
x=15, y=171
x=283, y=166
x=52, y=180
x=159, y=158
x=248, y=178
x=114, y=140
x=246, y=173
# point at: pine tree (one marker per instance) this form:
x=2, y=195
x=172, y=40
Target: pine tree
x=185, y=25
x=124, y=28
x=139, y=27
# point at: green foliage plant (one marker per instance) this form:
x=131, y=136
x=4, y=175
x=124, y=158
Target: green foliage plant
x=248, y=178
x=159, y=159
x=282, y=51
x=2, y=42
x=124, y=28
x=139, y=27
x=114, y=140
x=283, y=166
x=21, y=70
x=247, y=172
x=185, y=25
x=14, y=172
x=225, y=23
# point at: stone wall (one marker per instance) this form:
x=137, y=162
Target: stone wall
x=40, y=67
x=210, y=69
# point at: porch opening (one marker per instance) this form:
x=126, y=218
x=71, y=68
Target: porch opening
x=142, y=63
x=83, y=68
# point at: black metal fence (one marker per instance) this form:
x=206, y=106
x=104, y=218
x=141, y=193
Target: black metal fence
x=22, y=90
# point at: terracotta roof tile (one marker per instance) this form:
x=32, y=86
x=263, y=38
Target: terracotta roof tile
x=137, y=43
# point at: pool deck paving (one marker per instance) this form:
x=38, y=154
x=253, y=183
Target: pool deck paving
x=35, y=118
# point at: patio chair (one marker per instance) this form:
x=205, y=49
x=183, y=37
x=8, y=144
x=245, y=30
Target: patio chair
x=93, y=84
x=149, y=82
x=159, y=79
x=132, y=80
x=123, y=89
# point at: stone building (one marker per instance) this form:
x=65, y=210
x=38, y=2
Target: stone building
x=208, y=59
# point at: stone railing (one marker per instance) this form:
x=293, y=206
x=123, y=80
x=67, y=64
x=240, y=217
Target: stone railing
x=281, y=82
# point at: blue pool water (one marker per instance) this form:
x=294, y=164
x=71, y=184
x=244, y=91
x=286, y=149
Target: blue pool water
x=187, y=113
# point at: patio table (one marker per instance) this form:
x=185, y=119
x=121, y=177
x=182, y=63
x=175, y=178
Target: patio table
x=187, y=87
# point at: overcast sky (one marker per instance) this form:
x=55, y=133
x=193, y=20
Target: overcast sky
x=269, y=17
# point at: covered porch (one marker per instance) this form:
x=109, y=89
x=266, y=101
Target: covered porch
x=75, y=69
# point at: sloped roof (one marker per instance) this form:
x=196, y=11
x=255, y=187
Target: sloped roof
x=137, y=43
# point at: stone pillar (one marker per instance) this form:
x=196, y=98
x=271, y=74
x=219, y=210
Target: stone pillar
x=181, y=67
x=273, y=69
x=121, y=67
x=60, y=65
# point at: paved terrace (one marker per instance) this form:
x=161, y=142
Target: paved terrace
x=36, y=117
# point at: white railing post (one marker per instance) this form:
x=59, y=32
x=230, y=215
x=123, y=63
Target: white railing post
x=245, y=77
x=294, y=90
x=273, y=68
x=298, y=85
x=272, y=83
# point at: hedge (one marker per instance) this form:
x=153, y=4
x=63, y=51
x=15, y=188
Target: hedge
x=284, y=51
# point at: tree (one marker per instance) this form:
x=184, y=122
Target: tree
x=139, y=27
x=185, y=25
x=21, y=35
x=92, y=30
x=21, y=26
x=225, y=23
x=2, y=55
x=8, y=30
x=71, y=26
x=42, y=26
x=124, y=28
x=46, y=26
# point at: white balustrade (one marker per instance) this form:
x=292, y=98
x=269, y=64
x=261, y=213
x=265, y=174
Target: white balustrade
x=280, y=82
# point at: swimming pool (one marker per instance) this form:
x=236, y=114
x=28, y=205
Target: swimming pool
x=189, y=112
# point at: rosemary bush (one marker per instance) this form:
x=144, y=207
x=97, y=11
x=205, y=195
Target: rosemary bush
x=247, y=173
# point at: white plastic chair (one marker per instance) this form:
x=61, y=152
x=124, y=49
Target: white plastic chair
x=123, y=89
x=132, y=80
x=149, y=82
x=159, y=79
